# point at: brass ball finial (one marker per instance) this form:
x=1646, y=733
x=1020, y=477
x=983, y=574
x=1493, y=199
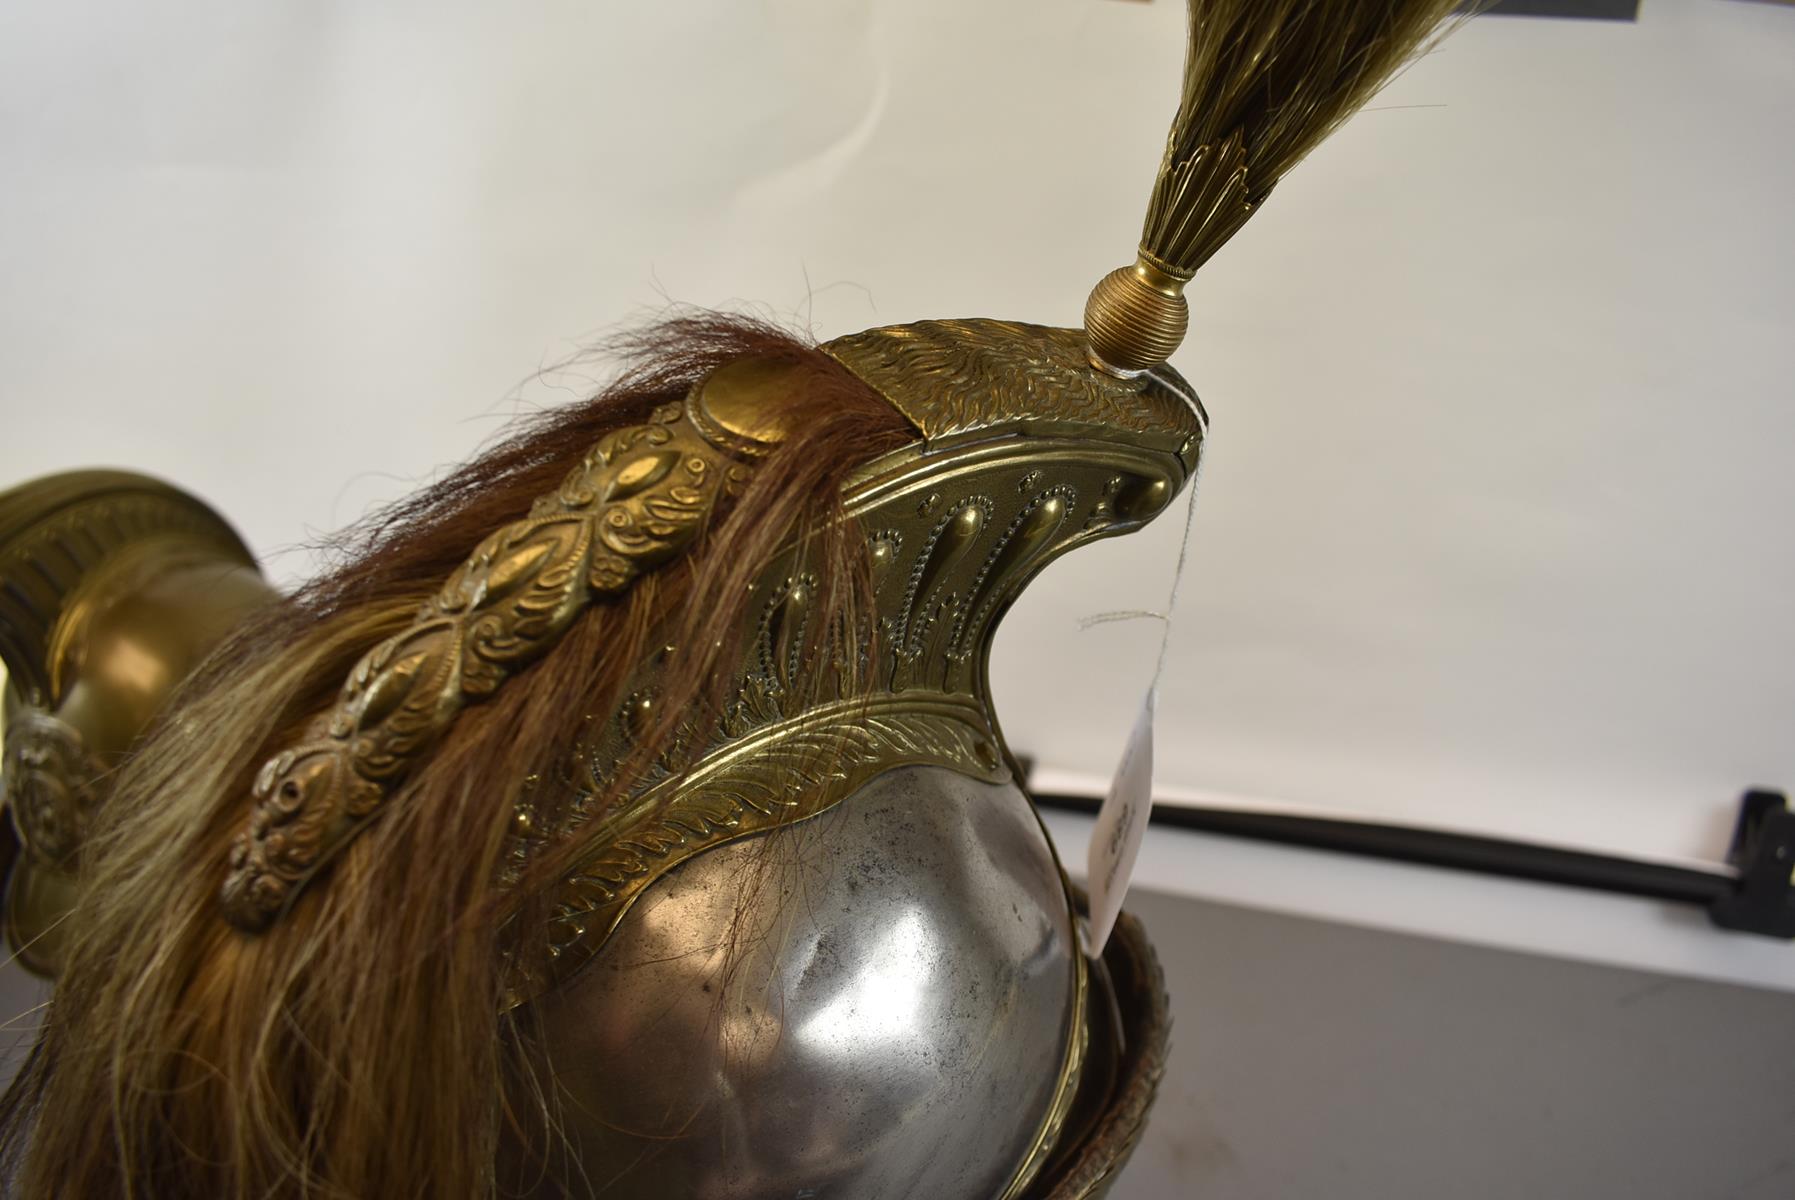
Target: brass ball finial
x=1135, y=318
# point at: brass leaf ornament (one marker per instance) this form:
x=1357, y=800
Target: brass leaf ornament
x=637, y=499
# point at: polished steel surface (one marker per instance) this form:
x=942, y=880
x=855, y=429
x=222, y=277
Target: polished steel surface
x=873, y=1003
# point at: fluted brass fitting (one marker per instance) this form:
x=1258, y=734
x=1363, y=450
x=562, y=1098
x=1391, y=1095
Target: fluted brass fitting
x=1135, y=318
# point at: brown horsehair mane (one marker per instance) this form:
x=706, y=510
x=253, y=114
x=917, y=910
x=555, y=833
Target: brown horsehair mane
x=357, y=1049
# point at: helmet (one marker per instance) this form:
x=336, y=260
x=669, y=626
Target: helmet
x=630, y=817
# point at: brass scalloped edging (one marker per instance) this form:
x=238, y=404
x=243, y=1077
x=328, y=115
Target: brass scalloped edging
x=638, y=499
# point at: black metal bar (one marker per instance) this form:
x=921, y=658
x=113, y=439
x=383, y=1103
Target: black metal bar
x=1764, y=851
x=1434, y=848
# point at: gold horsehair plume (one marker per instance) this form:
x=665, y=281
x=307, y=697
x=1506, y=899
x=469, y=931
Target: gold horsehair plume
x=1265, y=81
x=636, y=500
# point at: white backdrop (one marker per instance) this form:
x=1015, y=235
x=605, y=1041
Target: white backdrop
x=1493, y=531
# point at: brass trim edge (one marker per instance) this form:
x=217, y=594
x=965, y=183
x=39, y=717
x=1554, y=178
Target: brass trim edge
x=772, y=778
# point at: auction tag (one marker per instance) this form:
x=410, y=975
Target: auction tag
x=1116, y=840
x=1122, y=821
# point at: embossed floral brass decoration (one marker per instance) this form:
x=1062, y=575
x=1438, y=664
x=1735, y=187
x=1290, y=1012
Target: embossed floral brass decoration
x=637, y=499
x=1030, y=453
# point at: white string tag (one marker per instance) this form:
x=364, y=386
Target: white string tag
x=1116, y=840
x=1122, y=821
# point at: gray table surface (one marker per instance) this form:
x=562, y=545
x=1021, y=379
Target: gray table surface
x=1318, y=1060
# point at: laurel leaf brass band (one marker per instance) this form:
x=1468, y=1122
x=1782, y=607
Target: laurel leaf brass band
x=638, y=499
